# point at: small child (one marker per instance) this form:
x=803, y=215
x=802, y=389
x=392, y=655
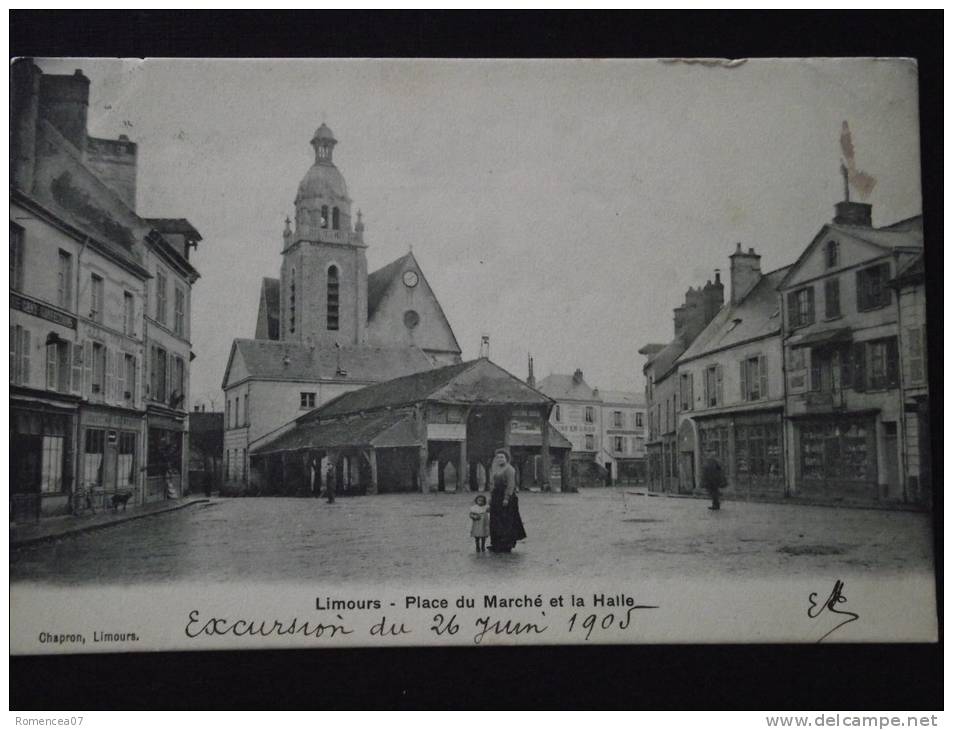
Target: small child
x=480, y=523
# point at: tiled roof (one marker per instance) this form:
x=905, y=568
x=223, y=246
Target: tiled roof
x=904, y=237
x=757, y=315
x=563, y=387
x=622, y=396
x=272, y=360
x=914, y=223
x=379, y=281
x=361, y=431
x=474, y=382
x=665, y=358
x=175, y=225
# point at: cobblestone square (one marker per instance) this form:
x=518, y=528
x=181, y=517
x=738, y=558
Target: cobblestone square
x=407, y=538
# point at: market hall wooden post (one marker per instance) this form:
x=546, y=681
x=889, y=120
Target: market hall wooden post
x=565, y=472
x=423, y=457
x=463, y=467
x=372, y=458
x=544, y=448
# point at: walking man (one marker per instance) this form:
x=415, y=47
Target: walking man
x=332, y=486
x=713, y=480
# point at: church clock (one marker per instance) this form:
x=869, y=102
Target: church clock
x=410, y=278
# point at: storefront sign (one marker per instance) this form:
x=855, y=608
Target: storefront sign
x=41, y=310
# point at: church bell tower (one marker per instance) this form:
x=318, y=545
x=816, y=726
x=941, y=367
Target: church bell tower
x=324, y=266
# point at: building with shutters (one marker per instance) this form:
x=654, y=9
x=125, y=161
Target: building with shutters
x=326, y=326
x=730, y=387
x=661, y=382
x=845, y=403
x=80, y=277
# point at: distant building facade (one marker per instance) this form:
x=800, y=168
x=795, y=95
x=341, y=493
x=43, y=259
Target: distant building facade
x=79, y=279
x=661, y=382
x=327, y=326
x=606, y=428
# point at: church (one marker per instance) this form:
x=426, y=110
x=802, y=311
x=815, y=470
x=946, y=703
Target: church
x=326, y=326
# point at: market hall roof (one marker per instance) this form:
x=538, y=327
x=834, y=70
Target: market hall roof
x=476, y=382
x=296, y=362
x=379, y=429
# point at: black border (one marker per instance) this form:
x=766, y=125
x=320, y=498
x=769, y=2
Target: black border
x=867, y=677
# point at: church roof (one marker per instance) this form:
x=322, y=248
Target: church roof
x=287, y=361
x=322, y=181
x=323, y=132
x=379, y=281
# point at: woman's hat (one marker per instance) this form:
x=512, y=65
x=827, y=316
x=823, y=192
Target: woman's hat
x=503, y=450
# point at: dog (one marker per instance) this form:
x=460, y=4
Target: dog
x=120, y=498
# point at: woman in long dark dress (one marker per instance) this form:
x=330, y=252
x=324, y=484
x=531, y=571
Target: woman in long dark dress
x=506, y=525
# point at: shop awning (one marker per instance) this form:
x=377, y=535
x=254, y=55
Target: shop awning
x=383, y=429
x=824, y=337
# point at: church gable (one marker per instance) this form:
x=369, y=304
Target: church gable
x=403, y=310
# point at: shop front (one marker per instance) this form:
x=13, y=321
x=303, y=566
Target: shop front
x=109, y=446
x=749, y=448
x=42, y=437
x=165, y=439
x=837, y=457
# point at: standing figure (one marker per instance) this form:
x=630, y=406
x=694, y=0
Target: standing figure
x=479, y=523
x=713, y=481
x=506, y=525
x=332, y=486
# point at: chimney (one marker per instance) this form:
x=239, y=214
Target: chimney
x=850, y=213
x=577, y=376
x=485, y=347
x=714, y=297
x=530, y=378
x=745, y=273
x=679, y=318
x=24, y=108
x=64, y=103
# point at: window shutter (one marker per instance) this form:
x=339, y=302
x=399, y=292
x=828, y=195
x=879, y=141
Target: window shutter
x=51, y=366
x=861, y=291
x=719, y=389
x=14, y=352
x=893, y=359
x=705, y=383
x=792, y=310
x=860, y=366
x=109, y=387
x=88, y=369
x=763, y=375
x=76, y=381
x=744, y=379
x=25, y=356
x=810, y=305
x=168, y=377
x=691, y=393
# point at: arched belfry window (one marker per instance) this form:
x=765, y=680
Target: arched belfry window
x=324, y=216
x=291, y=303
x=333, y=298
x=324, y=152
x=335, y=218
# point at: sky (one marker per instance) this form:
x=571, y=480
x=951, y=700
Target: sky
x=561, y=207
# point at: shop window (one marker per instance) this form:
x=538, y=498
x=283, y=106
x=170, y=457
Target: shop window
x=51, y=473
x=872, y=289
x=16, y=256
x=758, y=450
x=832, y=298
x=93, y=453
x=837, y=451
x=307, y=400
x=801, y=307
x=126, y=460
